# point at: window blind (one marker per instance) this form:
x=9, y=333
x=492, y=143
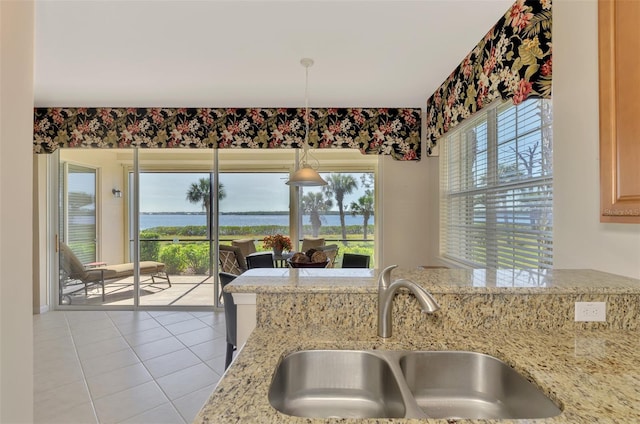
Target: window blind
x=81, y=228
x=496, y=179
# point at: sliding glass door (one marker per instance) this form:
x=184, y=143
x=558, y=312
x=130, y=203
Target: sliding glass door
x=175, y=227
x=141, y=227
x=137, y=228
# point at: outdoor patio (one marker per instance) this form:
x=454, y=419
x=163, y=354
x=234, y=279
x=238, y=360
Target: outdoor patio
x=185, y=290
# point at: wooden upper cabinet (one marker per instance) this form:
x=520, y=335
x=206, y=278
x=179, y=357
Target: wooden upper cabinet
x=619, y=59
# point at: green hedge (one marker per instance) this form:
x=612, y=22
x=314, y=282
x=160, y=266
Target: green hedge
x=237, y=230
x=193, y=257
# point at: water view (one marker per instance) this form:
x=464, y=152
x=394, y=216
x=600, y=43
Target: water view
x=242, y=220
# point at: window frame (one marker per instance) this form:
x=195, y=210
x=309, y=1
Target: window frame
x=463, y=240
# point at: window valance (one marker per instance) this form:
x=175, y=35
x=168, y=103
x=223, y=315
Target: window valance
x=512, y=61
x=387, y=131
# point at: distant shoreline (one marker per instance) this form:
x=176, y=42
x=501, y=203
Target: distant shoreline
x=236, y=213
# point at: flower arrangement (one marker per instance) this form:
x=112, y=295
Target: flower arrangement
x=278, y=242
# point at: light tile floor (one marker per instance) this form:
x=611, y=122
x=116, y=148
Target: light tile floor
x=125, y=366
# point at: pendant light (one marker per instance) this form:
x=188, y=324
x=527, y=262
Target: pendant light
x=305, y=175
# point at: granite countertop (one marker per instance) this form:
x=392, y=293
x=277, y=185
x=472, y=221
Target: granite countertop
x=459, y=281
x=593, y=375
x=590, y=370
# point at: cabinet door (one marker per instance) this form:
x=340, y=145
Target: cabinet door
x=619, y=48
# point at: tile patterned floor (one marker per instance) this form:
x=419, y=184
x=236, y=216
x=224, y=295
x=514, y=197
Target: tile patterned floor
x=124, y=366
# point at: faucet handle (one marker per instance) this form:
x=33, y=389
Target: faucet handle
x=384, y=280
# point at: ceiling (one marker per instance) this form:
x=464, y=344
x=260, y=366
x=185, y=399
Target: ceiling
x=212, y=53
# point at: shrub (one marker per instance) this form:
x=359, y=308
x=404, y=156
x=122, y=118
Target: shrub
x=197, y=257
x=149, y=250
x=173, y=258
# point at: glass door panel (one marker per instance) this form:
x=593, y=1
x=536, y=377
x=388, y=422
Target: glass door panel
x=175, y=228
x=253, y=205
x=91, y=233
x=342, y=212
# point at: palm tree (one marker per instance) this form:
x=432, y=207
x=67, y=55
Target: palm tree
x=314, y=204
x=337, y=186
x=200, y=192
x=364, y=207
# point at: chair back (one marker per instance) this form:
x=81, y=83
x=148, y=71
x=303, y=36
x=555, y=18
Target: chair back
x=311, y=243
x=331, y=250
x=230, y=313
x=352, y=260
x=247, y=246
x=231, y=259
x=260, y=260
x=70, y=263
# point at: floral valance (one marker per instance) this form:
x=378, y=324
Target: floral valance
x=512, y=61
x=387, y=131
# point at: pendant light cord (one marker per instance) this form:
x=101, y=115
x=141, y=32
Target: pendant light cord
x=305, y=147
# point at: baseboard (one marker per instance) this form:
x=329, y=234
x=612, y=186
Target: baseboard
x=42, y=309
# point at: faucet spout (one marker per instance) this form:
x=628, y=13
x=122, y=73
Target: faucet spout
x=386, y=294
x=385, y=277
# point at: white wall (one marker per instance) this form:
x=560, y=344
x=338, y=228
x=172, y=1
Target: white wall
x=579, y=239
x=41, y=239
x=407, y=206
x=16, y=140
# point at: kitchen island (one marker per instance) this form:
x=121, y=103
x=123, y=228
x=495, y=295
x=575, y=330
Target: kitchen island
x=524, y=318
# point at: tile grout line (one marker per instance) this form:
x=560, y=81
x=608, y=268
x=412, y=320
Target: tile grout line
x=202, y=361
x=184, y=347
x=84, y=376
x=209, y=323
x=147, y=369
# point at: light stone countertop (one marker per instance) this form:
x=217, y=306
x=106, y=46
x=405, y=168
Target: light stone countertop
x=459, y=281
x=593, y=376
x=591, y=371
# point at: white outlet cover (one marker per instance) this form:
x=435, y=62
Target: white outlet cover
x=591, y=311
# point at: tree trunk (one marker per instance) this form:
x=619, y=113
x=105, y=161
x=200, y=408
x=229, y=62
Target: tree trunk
x=366, y=225
x=208, y=215
x=315, y=223
x=342, y=224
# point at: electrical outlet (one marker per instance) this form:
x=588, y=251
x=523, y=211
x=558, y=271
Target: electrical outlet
x=591, y=311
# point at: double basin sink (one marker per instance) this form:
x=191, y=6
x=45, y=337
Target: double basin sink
x=404, y=384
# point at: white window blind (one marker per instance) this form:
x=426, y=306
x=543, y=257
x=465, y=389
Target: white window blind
x=80, y=208
x=496, y=179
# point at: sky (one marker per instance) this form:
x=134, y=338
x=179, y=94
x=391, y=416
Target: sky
x=166, y=192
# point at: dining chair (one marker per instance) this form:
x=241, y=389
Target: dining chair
x=260, y=260
x=353, y=260
x=230, y=317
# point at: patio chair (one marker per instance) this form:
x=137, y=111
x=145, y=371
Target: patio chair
x=247, y=246
x=352, y=260
x=260, y=260
x=331, y=250
x=230, y=317
x=231, y=259
x=311, y=243
x=74, y=270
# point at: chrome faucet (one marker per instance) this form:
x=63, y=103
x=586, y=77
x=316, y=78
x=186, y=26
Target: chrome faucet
x=386, y=293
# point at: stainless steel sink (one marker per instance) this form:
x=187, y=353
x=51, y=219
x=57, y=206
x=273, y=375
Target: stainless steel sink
x=472, y=385
x=404, y=384
x=336, y=383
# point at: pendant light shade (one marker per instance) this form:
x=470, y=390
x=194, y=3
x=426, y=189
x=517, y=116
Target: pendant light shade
x=306, y=175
